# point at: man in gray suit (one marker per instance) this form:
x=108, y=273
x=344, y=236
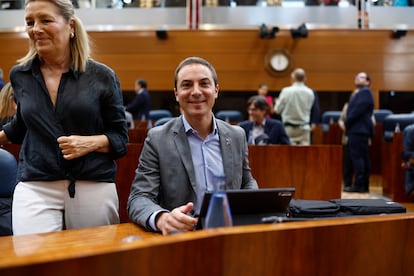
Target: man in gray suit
x=183, y=158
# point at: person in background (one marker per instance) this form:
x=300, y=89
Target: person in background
x=140, y=106
x=294, y=104
x=315, y=116
x=182, y=159
x=2, y=82
x=8, y=106
x=408, y=159
x=71, y=123
x=359, y=128
x=261, y=130
x=129, y=120
x=347, y=166
x=263, y=91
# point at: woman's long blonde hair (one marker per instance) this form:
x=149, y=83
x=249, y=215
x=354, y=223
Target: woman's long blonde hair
x=6, y=100
x=79, y=43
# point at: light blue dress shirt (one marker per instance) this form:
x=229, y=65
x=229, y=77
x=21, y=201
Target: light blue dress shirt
x=207, y=162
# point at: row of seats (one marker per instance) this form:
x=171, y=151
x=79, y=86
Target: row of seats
x=332, y=116
x=396, y=123
x=391, y=122
x=160, y=116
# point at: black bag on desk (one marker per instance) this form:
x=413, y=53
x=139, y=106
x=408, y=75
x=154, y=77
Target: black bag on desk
x=301, y=208
x=352, y=207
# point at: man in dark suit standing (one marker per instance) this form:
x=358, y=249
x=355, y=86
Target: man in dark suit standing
x=260, y=129
x=140, y=106
x=359, y=128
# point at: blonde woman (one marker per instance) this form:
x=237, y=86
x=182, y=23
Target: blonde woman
x=71, y=123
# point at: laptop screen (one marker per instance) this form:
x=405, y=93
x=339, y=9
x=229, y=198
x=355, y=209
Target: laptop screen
x=250, y=206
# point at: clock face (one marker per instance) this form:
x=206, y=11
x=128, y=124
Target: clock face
x=279, y=62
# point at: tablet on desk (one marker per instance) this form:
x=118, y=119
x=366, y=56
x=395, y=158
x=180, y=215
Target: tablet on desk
x=250, y=206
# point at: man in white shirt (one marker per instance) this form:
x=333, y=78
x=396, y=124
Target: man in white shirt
x=294, y=104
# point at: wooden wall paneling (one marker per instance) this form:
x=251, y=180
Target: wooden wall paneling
x=331, y=57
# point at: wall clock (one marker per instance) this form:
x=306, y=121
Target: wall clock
x=278, y=62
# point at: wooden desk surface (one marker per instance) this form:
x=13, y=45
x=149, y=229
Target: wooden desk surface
x=340, y=246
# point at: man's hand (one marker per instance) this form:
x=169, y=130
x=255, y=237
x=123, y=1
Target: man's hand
x=177, y=220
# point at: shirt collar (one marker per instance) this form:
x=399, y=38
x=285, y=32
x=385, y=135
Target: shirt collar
x=262, y=124
x=188, y=127
x=34, y=65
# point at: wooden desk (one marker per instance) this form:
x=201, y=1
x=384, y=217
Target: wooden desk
x=375, y=245
x=315, y=171
x=125, y=174
x=333, y=136
x=137, y=135
x=393, y=174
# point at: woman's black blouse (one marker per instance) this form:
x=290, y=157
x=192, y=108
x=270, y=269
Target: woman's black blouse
x=88, y=103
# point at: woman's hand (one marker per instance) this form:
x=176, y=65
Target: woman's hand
x=75, y=146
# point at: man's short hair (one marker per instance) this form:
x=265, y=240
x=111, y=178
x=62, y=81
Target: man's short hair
x=258, y=102
x=142, y=83
x=299, y=75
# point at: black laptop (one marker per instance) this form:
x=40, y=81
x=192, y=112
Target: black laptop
x=252, y=206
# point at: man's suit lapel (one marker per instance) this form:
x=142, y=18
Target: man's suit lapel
x=267, y=127
x=250, y=127
x=226, y=145
x=183, y=149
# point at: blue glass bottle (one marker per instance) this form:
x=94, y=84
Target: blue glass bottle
x=218, y=212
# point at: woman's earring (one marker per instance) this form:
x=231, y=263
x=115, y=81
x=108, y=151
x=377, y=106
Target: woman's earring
x=72, y=35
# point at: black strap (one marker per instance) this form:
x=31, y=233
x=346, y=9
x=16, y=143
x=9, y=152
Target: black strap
x=71, y=187
x=292, y=125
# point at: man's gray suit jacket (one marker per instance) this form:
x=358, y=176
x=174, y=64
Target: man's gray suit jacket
x=165, y=177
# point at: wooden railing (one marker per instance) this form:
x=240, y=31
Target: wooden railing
x=369, y=245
